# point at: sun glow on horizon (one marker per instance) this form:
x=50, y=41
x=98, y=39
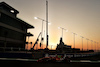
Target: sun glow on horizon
x=78, y=19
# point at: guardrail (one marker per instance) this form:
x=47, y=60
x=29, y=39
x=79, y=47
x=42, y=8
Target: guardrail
x=73, y=54
x=11, y=49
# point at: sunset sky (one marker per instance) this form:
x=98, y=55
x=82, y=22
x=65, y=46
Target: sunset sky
x=79, y=16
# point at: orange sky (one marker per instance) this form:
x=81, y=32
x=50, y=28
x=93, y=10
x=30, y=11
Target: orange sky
x=79, y=16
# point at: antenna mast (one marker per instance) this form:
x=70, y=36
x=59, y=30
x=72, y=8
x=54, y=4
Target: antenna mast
x=47, y=23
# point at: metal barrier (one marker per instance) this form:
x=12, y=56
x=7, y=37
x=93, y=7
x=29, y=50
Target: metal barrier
x=12, y=49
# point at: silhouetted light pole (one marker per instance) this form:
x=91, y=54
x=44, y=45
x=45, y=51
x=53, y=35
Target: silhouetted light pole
x=91, y=45
x=95, y=45
x=82, y=42
x=42, y=29
x=74, y=38
x=42, y=24
x=62, y=30
x=98, y=46
x=87, y=43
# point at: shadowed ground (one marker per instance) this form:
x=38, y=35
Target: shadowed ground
x=17, y=63
x=7, y=63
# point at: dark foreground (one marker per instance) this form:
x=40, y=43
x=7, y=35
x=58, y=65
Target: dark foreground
x=16, y=63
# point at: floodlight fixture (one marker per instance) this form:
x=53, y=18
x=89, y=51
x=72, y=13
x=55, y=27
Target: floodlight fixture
x=35, y=18
x=82, y=42
x=74, y=38
x=62, y=30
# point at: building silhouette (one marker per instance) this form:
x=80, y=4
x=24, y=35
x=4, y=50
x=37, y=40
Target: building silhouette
x=13, y=31
x=63, y=48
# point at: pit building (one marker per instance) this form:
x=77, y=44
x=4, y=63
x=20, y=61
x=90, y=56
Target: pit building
x=13, y=31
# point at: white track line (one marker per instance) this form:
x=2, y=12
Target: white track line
x=19, y=59
x=85, y=61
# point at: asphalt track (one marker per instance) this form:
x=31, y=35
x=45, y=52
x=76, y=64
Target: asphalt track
x=77, y=62
x=17, y=63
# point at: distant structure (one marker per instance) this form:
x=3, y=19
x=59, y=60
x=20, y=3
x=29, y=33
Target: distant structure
x=13, y=31
x=61, y=47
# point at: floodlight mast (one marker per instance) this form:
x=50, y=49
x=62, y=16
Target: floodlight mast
x=91, y=44
x=42, y=27
x=82, y=42
x=87, y=43
x=62, y=30
x=46, y=23
x=74, y=38
x=41, y=30
x=95, y=45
